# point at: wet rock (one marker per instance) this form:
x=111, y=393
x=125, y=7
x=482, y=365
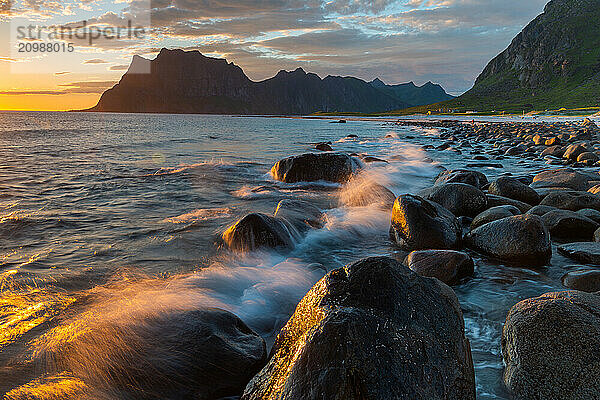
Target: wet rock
x=494, y=201
x=459, y=198
x=514, y=189
x=584, y=281
x=546, y=346
x=588, y=158
x=332, y=167
x=171, y=355
x=554, y=151
x=371, y=159
x=363, y=192
x=541, y=210
x=597, y=235
x=371, y=330
x=448, y=266
x=573, y=151
x=569, y=225
x=256, y=231
x=560, y=178
x=323, y=147
x=591, y=214
x=419, y=224
x=521, y=240
x=594, y=189
x=494, y=214
x=473, y=178
x=584, y=252
x=302, y=214
x=572, y=200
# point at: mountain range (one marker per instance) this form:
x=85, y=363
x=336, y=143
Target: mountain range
x=189, y=82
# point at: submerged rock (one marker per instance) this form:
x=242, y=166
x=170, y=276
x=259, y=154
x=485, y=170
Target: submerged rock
x=569, y=225
x=550, y=347
x=514, y=189
x=371, y=330
x=473, y=178
x=361, y=192
x=310, y=167
x=323, y=147
x=256, y=231
x=302, y=214
x=584, y=281
x=459, y=198
x=202, y=354
x=521, y=240
x=584, y=252
x=419, y=224
x=448, y=266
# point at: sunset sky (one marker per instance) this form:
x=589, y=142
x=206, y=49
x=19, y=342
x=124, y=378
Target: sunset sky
x=444, y=41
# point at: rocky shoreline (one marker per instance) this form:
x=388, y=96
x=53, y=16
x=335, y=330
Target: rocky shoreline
x=383, y=329
x=392, y=327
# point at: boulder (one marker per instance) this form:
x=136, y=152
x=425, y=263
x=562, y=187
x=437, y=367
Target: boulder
x=584, y=280
x=363, y=192
x=561, y=178
x=514, y=189
x=256, y=231
x=570, y=225
x=493, y=214
x=302, y=214
x=594, y=189
x=459, y=198
x=572, y=200
x=196, y=354
x=371, y=330
x=494, y=201
x=473, y=178
x=588, y=158
x=549, y=346
x=323, y=147
x=583, y=252
x=449, y=266
x=573, y=151
x=331, y=167
x=520, y=240
x=419, y=224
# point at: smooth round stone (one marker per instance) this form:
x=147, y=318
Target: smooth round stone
x=584, y=252
x=448, y=266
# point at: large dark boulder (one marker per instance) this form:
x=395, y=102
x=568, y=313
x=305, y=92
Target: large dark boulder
x=311, y=167
x=566, y=224
x=514, y=189
x=521, y=240
x=459, y=198
x=494, y=201
x=470, y=177
x=584, y=252
x=560, y=178
x=572, y=200
x=419, y=224
x=550, y=347
x=449, y=266
x=256, y=231
x=302, y=214
x=371, y=330
x=196, y=354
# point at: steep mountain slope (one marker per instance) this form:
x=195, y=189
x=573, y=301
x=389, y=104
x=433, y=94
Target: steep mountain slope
x=416, y=95
x=188, y=82
x=554, y=62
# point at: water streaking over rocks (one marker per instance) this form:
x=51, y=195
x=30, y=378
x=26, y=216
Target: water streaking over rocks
x=129, y=239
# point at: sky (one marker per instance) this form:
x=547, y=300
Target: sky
x=444, y=41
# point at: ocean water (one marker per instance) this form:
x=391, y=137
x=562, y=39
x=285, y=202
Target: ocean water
x=109, y=219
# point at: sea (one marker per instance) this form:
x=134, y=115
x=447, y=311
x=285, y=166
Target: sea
x=117, y=217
